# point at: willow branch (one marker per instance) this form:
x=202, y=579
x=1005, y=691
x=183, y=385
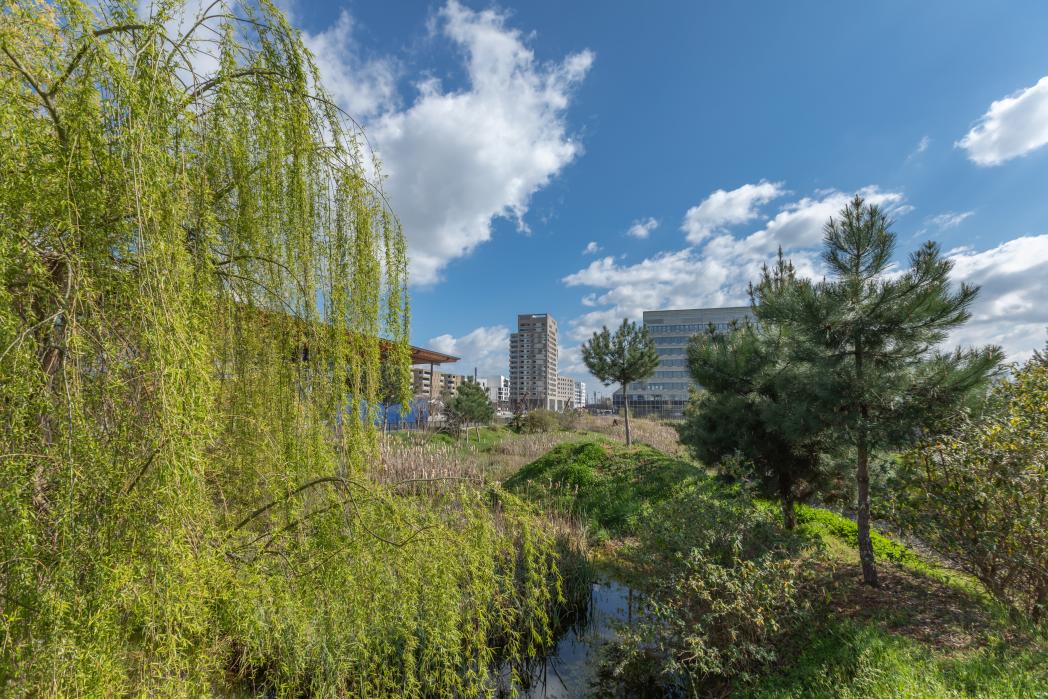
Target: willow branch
x=44, y=97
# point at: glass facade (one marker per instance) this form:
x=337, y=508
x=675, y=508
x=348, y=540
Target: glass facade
x=666, y=392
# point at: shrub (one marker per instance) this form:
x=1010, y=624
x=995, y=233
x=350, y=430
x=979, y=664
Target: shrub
x=978, y=493
x=725, y=588
x=540, y=420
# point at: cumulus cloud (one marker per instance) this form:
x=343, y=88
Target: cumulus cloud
x=1012, y=127
x=718, y=272
x=723, y=208
x=642, y=228
x=1010, y=310
x=364, y=87
x=457, y=159
x=486, y=348
x=591, y=248
x=950, y=219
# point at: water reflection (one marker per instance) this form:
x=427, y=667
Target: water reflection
x=571, y=668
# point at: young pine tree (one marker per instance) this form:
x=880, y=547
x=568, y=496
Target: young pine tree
x=875, y=333
x=627, y=356
x=758, y=414
x=470, y=406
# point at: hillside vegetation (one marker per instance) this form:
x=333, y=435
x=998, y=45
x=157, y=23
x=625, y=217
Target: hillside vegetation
x=739, y=605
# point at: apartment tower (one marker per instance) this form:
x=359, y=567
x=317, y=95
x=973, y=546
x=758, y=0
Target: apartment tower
x=533, y=363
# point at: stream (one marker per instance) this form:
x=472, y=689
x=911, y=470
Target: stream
x=571, y=668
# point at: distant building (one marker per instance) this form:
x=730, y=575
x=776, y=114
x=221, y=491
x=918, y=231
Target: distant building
x=580, y=394
x=665, y=393
x=533, y=363
x=566, y=392
x=498, y=390
x=434, y=384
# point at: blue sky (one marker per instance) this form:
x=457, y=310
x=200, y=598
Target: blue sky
x=515, y=137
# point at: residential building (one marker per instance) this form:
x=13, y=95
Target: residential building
x=565, y=393
x=665, y=393
x=533, y=363
x=498, y=390
x=580, y=394
x=434, y=384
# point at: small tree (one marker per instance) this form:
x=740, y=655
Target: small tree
x=470, y=405
x=758, y=415
x=627, y=356
x=978, y=492
x=874, y=333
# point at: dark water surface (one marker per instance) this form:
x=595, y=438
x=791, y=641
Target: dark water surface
x=571, y=668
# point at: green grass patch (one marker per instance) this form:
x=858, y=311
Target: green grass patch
x=846, y=658
x=611, y=486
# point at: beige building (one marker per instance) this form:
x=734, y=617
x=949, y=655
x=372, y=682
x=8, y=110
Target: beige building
x=566, y=392
x=533, y=363
x=434, y=384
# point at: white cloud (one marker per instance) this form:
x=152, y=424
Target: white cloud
x=457, y=159
x=591, y=248
x=485, y=348
x=1010, y=310
x=642, y=228
x=922, y=146
x=950, y=219
x=1013, y=126
x=723, y=208
x=363, y=87
x=716, y=273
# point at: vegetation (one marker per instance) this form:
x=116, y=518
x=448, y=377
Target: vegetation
x=612, y=487
x=469, y=406
x=977, y=493
x=872, y=334
x=195, y=273
x=627, y=356
x=759, y=416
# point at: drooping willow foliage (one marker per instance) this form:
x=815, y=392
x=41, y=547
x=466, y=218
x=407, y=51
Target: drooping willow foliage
x=198, y=264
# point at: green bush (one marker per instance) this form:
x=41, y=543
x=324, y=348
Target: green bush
x=978, y=493
x=725, y=589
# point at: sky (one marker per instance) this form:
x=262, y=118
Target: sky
x=593, y=160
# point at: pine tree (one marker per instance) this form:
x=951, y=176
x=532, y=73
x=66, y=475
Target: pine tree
x=627, y=356
x=874, y=333
x=470, y=405
x=758, y=415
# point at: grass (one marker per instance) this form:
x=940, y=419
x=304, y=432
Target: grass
x=607, y=484
x=845, y=658
x=927, y=632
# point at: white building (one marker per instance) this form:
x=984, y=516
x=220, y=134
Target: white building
x=580, y=394
x=498, y=389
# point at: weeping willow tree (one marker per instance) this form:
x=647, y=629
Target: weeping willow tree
x=200, y=279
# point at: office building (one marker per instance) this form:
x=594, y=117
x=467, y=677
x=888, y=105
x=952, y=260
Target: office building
x=498, y=390
x=665, y=393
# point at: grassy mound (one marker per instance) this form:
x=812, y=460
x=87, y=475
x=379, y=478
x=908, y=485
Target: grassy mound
x=609, y=485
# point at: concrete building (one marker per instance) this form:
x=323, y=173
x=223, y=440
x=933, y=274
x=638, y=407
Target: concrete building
x=566, y=393
x=498, y=390
x=580, y=394
x=434, y=384
x=533, y=363
x=665, y=393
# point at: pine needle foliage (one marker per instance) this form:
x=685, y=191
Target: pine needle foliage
x=627, y=356
x=196, y=265
x=874, y=333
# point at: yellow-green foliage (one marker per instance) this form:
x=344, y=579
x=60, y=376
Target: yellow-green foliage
x=978, y=492
x=195, y=270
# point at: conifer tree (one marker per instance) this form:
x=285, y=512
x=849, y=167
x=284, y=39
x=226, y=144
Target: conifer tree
x=627, y=356
x=758, y=415
x=470, y=405
x=875, y=334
